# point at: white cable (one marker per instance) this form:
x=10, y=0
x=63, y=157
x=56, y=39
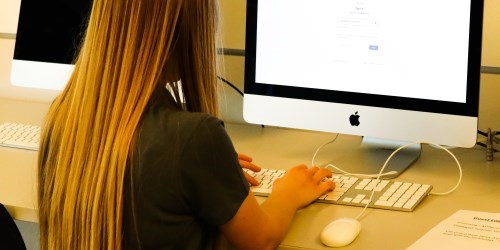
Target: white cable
x=361, y=175
x=459, y=171
x=404, y=146
x=320, y=147
x=343, y=171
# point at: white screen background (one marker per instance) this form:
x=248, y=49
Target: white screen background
x=416, y=48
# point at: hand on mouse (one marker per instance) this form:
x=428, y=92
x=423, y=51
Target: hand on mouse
x=246, y=162
x=302, y=185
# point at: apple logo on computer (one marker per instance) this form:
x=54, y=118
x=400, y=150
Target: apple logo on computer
x=354, y=119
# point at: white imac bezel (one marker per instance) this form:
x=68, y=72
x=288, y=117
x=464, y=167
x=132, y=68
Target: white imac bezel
x=373, y=121
x=40, y=75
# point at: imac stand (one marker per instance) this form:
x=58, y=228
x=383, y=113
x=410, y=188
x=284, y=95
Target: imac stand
x=371, y=155
x=377, y=151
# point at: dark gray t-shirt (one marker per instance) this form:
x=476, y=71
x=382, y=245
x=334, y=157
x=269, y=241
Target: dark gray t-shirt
x=187, y=182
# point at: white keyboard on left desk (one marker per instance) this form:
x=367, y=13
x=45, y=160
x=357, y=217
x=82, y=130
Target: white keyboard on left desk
x=16, y=135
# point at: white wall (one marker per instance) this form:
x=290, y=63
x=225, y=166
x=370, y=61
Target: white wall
x=491, y=34
x=9, y=10
x=233, y=23
x=489, y=109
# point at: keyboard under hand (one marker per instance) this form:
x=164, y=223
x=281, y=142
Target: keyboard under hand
x=354, y=191
x=17, y=135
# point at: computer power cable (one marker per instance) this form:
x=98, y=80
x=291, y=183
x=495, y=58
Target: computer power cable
x=230, y=85
x=320, y=147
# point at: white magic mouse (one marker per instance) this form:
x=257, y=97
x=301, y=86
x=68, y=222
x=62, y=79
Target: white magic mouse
x=340, y=232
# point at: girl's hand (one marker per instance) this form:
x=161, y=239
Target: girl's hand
x=302, y=185
x=246, y=162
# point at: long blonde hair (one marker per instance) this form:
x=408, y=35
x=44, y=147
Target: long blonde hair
x=131, y=47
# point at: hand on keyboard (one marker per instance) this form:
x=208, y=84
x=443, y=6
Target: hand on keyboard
x=302, y=185
x=354, y=191
x=246, y=163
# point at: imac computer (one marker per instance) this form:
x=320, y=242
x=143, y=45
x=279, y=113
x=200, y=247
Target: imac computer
x=48, y=36
x=393, y=72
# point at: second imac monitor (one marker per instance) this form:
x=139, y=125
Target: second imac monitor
x=398, y=70
x=48, y=36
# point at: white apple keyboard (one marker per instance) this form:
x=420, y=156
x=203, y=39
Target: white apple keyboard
x=354, y=191
x=23, y=136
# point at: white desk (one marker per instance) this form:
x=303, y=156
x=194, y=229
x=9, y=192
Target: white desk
x=283, y=148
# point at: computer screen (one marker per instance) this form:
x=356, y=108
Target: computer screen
x=48, y=36
x=405, y=71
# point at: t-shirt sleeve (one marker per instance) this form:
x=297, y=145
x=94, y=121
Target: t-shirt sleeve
x=214, y=183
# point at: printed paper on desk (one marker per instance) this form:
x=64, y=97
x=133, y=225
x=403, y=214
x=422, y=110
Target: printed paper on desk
x=463, y=230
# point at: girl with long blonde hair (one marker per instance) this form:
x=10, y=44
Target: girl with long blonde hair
x=132, y=154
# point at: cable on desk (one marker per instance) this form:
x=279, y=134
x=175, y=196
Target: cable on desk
x=404, y=146
x=484, y=146
x=320, y=147
x=343, y=171
x=491, y=138
x=493, y=133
